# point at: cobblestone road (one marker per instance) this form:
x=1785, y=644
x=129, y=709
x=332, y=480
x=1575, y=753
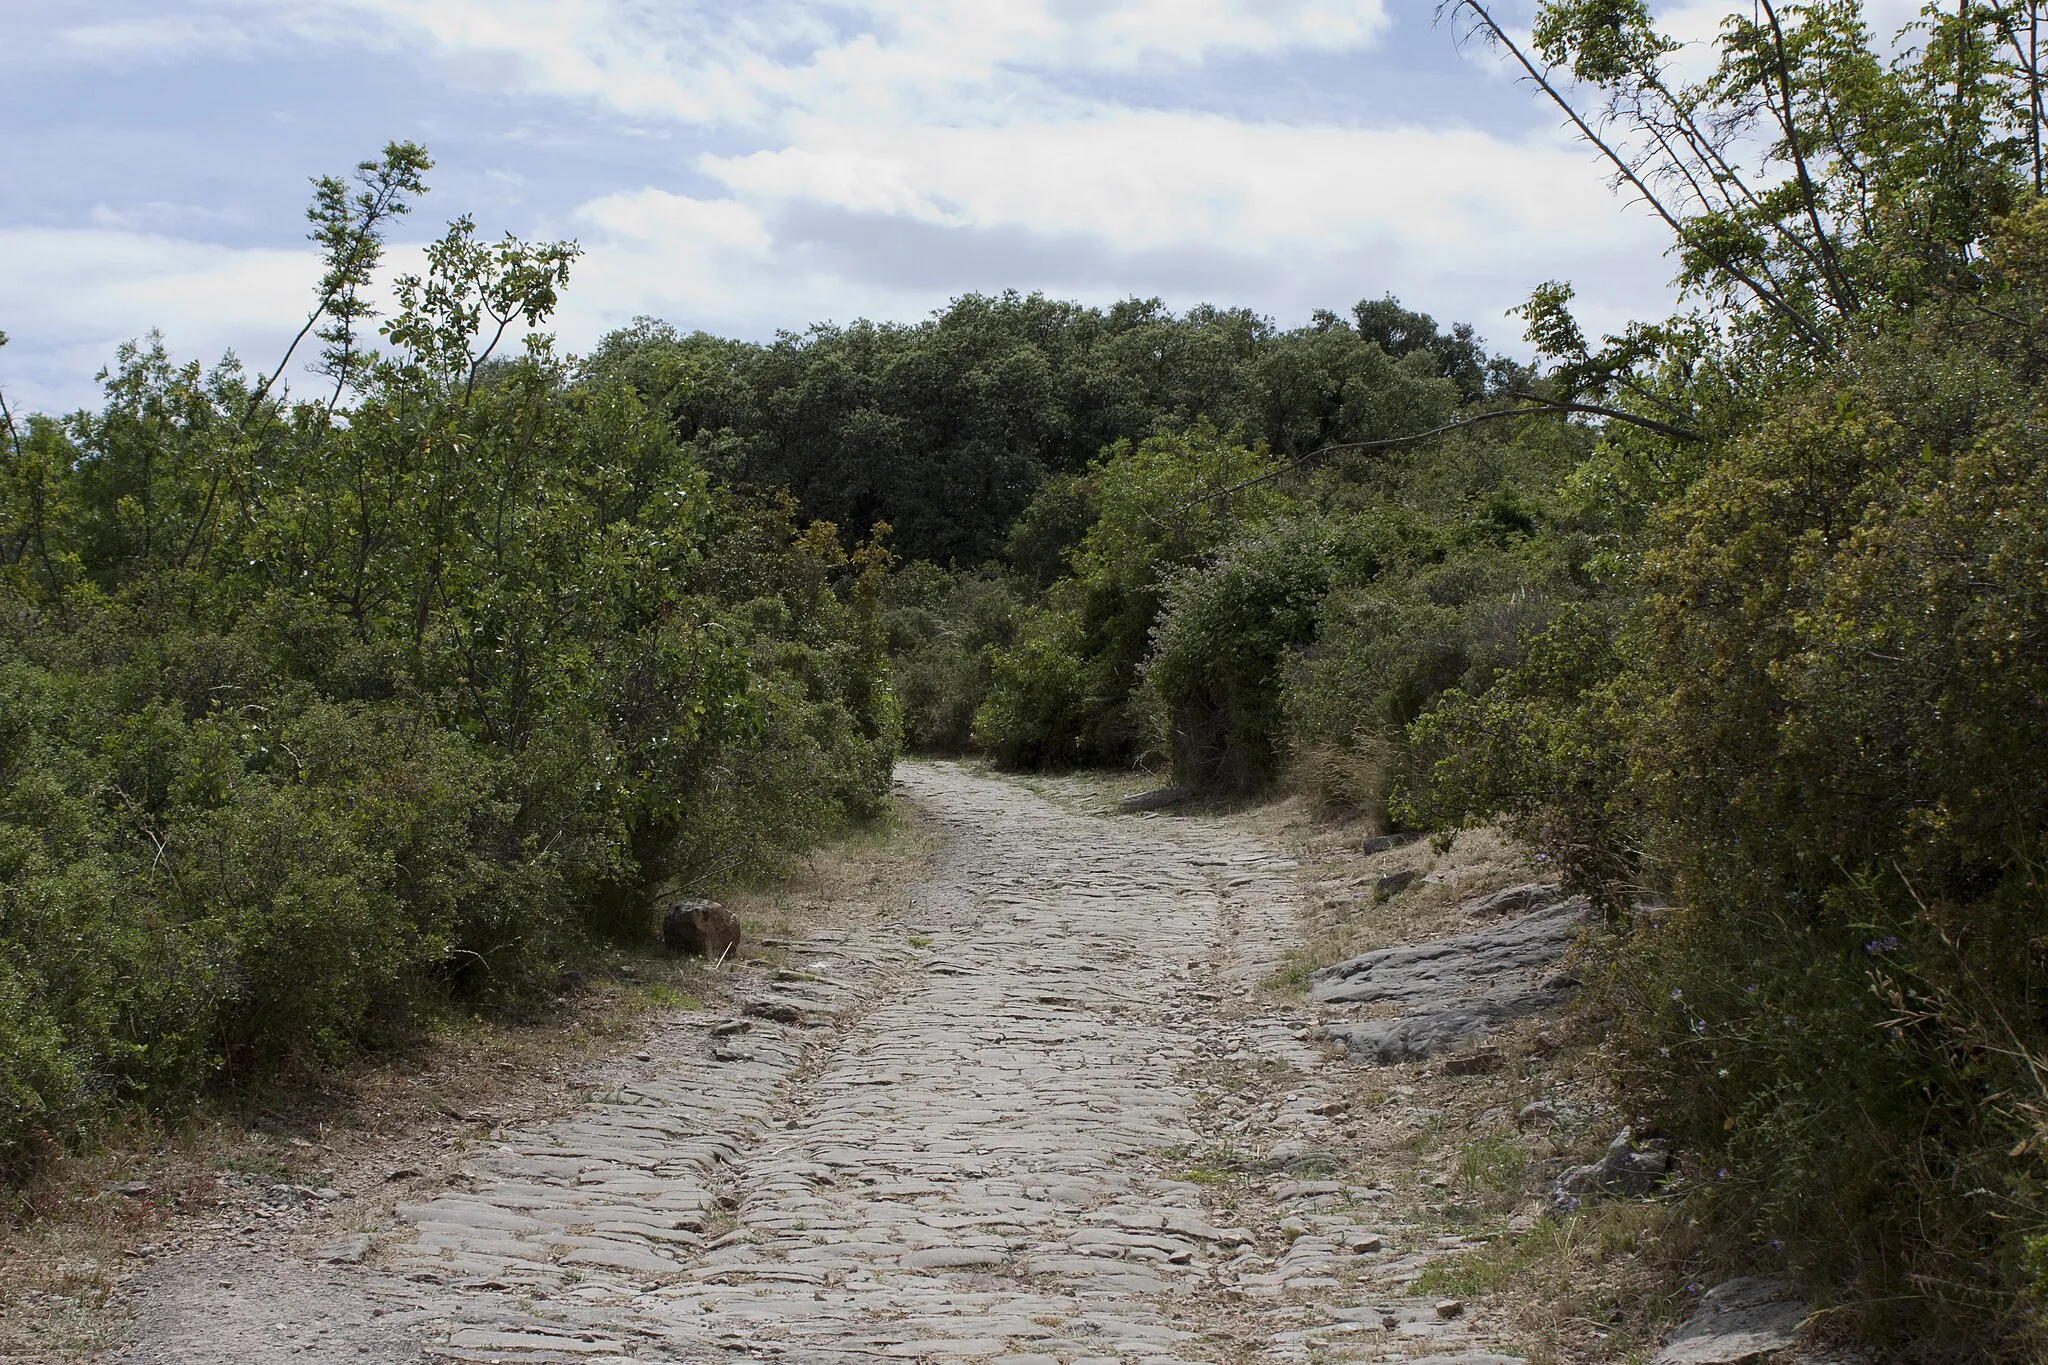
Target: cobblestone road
x=975, y=1136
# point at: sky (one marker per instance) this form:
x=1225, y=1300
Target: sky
x=748, y=166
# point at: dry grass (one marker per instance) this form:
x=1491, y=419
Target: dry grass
x=73, y=1234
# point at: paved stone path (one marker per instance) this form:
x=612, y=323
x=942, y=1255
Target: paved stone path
x=976, y=1135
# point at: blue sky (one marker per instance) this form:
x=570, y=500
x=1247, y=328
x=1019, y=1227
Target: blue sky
x=750, y=167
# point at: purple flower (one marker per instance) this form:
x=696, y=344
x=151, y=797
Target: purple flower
x=1881, y=945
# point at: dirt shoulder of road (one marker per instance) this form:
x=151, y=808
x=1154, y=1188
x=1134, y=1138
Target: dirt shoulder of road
x=1475, y=1138
x=293, y=1168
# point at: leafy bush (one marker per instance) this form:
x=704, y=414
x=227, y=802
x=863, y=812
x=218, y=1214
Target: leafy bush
x=943, y=631
x=317, y=713
x=1068, y=690
x=1225, y=631
x=1814, y=742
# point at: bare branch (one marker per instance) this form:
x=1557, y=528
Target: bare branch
x=1545, y=407
x=1824, y=242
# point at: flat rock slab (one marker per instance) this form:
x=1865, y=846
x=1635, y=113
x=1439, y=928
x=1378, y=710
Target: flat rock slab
x=1455, y=990
x=1739, y=1323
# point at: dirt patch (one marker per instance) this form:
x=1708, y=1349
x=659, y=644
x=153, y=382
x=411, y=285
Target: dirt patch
x=258, y=1177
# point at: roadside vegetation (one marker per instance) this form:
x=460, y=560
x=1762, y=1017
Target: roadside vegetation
x=323, y=712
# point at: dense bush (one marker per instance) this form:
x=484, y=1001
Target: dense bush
x=317, y=711
x=944, y=631
x=1068, y=690
x=1795, y=742
x=948, y=428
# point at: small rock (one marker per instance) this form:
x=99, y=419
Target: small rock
x=1541, y=1114
x=726, y=1027
x=643, y=1056
x=1362, y=1243
x=133, y=1189
x=1306, y=1189
x=1155, y=800
x=952, y=1258
x=1392, y=885
x=1513, y=900
x=349, y=1250
x=775, y=1011
x=1449, y=1308
x=1628, y=1170
x=1382, y=843
x=1477, y=1063
x=403, y=1173
x=699, y=927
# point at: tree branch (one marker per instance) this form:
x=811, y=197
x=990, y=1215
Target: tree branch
x=1831, y=266
x=1764, y=293
x=1546, y=407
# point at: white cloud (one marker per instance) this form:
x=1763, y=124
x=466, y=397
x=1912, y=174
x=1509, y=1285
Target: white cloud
x=699, y=61
x=902, y=151
x=1145, y=179
x=1190, y=207
x=71, y=296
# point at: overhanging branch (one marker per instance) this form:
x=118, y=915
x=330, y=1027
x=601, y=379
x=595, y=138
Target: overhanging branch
x=1544, y=407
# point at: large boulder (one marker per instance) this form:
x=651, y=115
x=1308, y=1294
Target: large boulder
x=699, y=928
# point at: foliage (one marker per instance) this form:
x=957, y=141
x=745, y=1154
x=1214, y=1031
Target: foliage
x=317, y=712
x=948, y=428
x=943, y=631
x=1794, y=742
x=1068, y=691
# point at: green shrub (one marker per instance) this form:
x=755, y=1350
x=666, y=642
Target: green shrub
x=1068, y=691
x=315, y=720
x=1225, y=631
x=1815, y=742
